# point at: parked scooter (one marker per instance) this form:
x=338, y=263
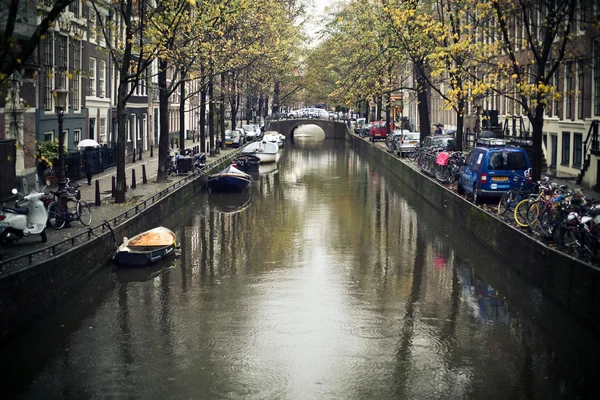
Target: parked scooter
x=27, y=217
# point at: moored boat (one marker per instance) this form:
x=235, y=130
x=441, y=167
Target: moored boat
x=146, y=247
x=230, y=179
x=274, y=137
x=246, y=162
x=265, y=151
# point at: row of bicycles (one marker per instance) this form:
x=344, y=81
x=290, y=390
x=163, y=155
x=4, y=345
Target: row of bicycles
x=555, y=213
x=438, y=162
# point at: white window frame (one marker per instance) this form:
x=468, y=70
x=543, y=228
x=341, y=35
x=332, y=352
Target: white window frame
x=51, y=133
x=92, y=34
x=92, y=78
x=102, y=130
x=102, y=79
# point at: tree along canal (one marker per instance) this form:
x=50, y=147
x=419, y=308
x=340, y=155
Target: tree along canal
x=327, y=280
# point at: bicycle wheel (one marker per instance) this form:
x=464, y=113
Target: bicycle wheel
x=56, y=215
x=84, y=213
x=520, y=213
x=442, y=173
x=412, y=156
x=503, y=204
x=547, y=223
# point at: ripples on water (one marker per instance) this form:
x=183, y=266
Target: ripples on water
x=329, y=280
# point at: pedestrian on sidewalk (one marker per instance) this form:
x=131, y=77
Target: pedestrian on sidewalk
x=92, y=162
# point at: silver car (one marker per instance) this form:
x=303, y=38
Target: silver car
x=407, y=142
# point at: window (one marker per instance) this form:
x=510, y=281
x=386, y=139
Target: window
x=556, y=101
x=75, y=67
x=566, y=147
x=92, y=78
x=569, y=94
x=75, y=8
x=101, y=40
x=129, y=130
x=63, y=48
x=102, y=130
x=577, y=149
x=507, y=160
x=76, y=136
x=597, y=78
x=48, y=136
x=49, y=71
x=580, y=89
x=102, y=79
x=92, y=26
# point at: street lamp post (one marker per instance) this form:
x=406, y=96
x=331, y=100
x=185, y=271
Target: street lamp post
x=60, y=98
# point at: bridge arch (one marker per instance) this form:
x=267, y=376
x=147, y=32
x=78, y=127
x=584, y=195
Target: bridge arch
x=332, y=129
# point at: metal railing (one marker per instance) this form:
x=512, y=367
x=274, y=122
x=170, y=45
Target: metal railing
x=35, y=257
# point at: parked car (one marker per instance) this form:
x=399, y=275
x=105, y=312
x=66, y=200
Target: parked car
x=492, y=168
x=237, y=138
x=392, y=140
x=407, y=142
x=252, y=132
x=377, y=131
x=228, y=140
x=446, y=141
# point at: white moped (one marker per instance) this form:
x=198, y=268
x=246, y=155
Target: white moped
x=28, y=217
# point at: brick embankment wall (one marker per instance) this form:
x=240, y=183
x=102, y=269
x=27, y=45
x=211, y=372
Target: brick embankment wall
x=565, y=279
x=28, y=294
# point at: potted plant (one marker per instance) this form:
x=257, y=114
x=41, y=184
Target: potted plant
x=47, y=155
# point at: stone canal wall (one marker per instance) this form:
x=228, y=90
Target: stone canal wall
x=565, y=279
x=30, y=293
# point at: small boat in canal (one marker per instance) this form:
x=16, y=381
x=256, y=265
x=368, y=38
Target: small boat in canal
x=230, y=179
x=265, y=151
x=146, y=247
x=246, y=162
x=274, y=137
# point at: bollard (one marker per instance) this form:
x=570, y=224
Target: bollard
x=144, y=180
x=113, y=189
x=151, y=151
x=133, y=160
x=172, y=143
x=98, y=203
x=140, y=156
x=133, y=178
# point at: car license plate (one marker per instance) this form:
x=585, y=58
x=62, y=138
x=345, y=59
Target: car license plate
x=412, y=142
x=500, y=178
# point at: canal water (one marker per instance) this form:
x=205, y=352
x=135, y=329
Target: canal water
x=327, y=280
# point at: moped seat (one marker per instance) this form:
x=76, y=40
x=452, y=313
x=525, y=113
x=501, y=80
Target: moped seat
x=16, y=210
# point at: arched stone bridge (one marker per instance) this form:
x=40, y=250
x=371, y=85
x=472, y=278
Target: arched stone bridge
x=332, y=129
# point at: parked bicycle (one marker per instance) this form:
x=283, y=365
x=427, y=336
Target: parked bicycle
x=66, y=209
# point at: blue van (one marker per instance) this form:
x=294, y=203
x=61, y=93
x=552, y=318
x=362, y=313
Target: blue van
x=492, y=169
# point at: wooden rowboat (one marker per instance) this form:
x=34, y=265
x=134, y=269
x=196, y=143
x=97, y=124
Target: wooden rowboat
x=146, y=247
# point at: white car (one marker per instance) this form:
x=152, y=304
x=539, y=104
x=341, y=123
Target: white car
x=252, y=132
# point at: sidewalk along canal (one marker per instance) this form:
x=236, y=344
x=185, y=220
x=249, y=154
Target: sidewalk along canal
x=106, y=211
x=571, y=282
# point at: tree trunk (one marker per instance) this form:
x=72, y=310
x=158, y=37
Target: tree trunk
x=537, y=123
x=222, y=112
x=182, y=112
x=260, y=105
x=163, y=141
x=203, y=120
x=423, y=105
x=460, y=122
x=211, y=115
x=276, y=94
x=121, y=186
x=379, y=105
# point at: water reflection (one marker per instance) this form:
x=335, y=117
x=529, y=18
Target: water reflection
x=230, y=203
x=335, y=281
x=142, y=274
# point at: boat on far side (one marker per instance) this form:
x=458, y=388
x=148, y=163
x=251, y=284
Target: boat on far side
x=265, y=151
